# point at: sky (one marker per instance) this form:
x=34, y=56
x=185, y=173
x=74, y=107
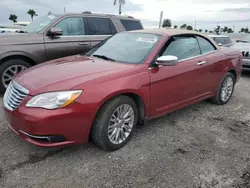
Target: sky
x=206, y=13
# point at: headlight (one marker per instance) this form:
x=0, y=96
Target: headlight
x=54, y=100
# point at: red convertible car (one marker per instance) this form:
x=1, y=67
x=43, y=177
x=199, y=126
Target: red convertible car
x=125, y=80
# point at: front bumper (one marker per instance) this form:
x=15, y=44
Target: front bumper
x=246, y=64
x=50, y=128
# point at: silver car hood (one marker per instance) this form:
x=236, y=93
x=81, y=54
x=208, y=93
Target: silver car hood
x=243, y=46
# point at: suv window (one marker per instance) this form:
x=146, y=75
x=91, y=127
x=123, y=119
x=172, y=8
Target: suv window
x=130, y=25
x=72, y=26
x=183, y=47
x=100, y=26
x=205, y=45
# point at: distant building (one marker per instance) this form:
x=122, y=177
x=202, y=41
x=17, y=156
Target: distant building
x=21, y=24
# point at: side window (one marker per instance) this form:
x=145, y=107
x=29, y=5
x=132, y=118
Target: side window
x=183, y=47
x=72, y=26
x=205, y=45
x=100, y=26
x=130, y=25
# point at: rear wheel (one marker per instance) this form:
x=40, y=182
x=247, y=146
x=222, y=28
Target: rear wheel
x=225, y=90
x=115, y=123
x=9, y=69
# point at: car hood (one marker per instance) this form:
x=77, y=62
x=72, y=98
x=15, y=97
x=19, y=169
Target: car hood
x=19, y=38
x=66, y=73
x=242, y=46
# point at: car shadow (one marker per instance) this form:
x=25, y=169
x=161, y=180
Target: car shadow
x=246, y=74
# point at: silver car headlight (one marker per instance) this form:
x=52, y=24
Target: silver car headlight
x=54, y=100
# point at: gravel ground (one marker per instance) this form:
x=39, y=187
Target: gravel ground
x=203, y=145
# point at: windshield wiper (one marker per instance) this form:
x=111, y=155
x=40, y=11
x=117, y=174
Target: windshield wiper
x=104, y=57
x=245, y=41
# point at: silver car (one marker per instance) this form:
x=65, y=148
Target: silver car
x=222, y=40
x=244, y=46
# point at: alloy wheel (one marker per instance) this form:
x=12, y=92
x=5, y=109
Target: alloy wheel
x=10, y=72
x=121, y=124
x=227, y=89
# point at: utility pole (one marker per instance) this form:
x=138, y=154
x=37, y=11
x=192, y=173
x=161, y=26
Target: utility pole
x=64, y=9
x=233, y=27
x=195, y=25
x=120, y=9
x=161, y=15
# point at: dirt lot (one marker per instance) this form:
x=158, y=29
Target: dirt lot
x=203, y=145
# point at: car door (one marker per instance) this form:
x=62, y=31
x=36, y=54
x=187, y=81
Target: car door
x=211, y=57
x=173, y=87
x=99, y=28
x=73, y=40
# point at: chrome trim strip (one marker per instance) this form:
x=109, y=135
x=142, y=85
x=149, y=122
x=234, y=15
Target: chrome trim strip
x=32, y=136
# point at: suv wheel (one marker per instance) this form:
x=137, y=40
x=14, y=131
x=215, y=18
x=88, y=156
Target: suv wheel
x=115, y=123
x=9, y=69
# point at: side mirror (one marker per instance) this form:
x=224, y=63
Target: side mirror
x=167, y=60
x=219, y=44
x=55, y=31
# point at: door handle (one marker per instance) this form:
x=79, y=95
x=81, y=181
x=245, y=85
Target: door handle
x=201, y=63
x=83, y=43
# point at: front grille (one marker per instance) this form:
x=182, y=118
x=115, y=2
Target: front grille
x=14, y=95
x=245, y=53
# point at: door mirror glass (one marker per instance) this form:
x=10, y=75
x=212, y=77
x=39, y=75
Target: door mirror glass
x=167, y=60
x=55, y=31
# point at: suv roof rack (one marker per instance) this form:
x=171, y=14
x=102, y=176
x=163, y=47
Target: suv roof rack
x=126, y=16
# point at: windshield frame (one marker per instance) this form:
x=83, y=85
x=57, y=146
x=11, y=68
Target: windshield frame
x=94, y=48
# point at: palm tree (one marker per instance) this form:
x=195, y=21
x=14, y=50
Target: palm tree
x=166, y=23
x=229, y=30
x=175, y=26
x=13, y=18
x=242, y=30
x=121, y=2
x=32, y=13
x=189, y=27
x=183, y=26
x=206, y=30
x=246, y=30
x=218, y=30
x=225, y=29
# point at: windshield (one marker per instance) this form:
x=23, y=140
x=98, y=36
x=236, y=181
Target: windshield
x=128, y=47
x=39, y=23
x=247, y=39
x=222, y=40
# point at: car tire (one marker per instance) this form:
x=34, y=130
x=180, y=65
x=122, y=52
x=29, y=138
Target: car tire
x=104, y=126
x=224, y=87
x=8, y=65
